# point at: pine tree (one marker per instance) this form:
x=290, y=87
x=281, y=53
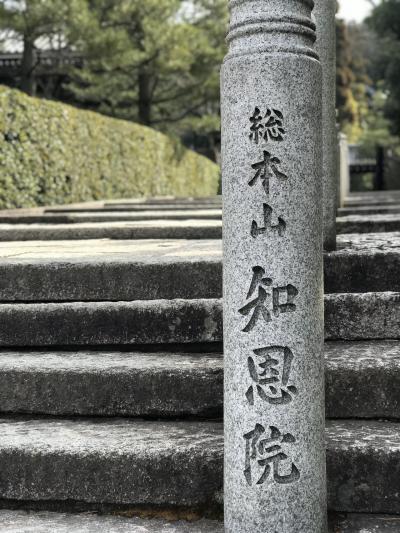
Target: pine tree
x=33, y=23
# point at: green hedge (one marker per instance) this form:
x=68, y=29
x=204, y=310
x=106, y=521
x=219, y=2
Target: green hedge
x=51, y=153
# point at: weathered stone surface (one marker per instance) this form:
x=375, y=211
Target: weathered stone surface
x=373, y=198
x=73, y=218
x=151, y=269
x=129, y=207
x=110, y=323
x=364, y=262
x=347, y=317
x=324, y=13
x=369, y=242
x=271, y=171
x=369, y=210
x=362, y=381
x=178, y=463
x=362, y=316
x=363, y=463
x=110, y=270
x=161, y=200
x=364, y=523
x=368, y=223
x=114, y=461
x=44, y=522
x=167, y=384
x=151, y=229
x=344, y=170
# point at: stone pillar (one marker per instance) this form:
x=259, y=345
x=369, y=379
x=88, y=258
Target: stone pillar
x=324, y=12
x=273, y=291
x=344, y=169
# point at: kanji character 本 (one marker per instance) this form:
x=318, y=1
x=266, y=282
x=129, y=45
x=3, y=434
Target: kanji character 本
x=271, y=384
x=279, y=228
x=273, y=125
x=261, y=305
x=256, y=126
x=266, y=452
x=267, y=168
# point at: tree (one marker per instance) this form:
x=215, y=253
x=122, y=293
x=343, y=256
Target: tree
x=352, y=80
x=385, y=21
x=156, y=62
x=32, y=23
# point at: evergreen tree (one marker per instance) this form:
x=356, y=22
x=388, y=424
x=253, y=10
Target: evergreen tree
x=33, y=23
x=155, y=62
x=385, y=20
x=351, y=78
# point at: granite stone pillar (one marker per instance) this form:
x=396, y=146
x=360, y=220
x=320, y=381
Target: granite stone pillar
x=344, y=180
x=273, y=292
x=324, y=12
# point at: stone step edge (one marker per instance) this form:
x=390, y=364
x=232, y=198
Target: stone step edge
x=44, y=522
x=347, y=317
x=119, y=462
x=174, y=383
x=94, y=279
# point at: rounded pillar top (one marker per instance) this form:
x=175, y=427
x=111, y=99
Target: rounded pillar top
x=271, y=26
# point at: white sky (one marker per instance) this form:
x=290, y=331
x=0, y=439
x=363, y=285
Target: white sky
x=354, y=9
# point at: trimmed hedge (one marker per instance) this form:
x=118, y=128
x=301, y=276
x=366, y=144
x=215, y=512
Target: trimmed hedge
x=51, y=153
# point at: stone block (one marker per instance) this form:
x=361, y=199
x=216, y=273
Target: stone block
x=123, y=462
x=362, y=380
x=368, y=224
x=46, y=522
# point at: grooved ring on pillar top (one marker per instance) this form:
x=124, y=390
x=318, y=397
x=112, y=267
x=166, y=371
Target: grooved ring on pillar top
x=296, y=26
x=234, y=3
x=302, y=22
x=271, y=38
x=266, y=26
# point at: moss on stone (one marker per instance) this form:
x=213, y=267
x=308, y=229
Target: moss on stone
x=52, y=153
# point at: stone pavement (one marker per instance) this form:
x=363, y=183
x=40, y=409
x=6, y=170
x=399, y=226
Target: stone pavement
x=111, y=369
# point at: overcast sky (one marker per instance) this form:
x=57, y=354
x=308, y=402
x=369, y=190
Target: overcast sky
x=354, y=9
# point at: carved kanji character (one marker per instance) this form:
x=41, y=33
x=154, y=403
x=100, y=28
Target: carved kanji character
x=256, y=126
x=271, y=384
x=279, y=228
x=267, y=168
x=259, y=304
x=265, y=451
x=273, y=125
x=290, y=292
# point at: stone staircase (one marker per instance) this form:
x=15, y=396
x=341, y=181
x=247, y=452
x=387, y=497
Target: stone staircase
x=111, y=368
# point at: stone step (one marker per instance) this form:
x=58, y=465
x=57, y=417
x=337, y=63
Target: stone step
x=369, y=210
x=110, y=270
x=131, y=207
x=102, y=270
x=160, y=200
x=117, y=216
x=347, y=317
x=188, y=228
x=364, y=523
x=45, y=522
x=364, y=262
x=373, y=198
x=51, y=522
x=145, y=229
x=136, y=464
x=362, y=380
x=368, y=223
